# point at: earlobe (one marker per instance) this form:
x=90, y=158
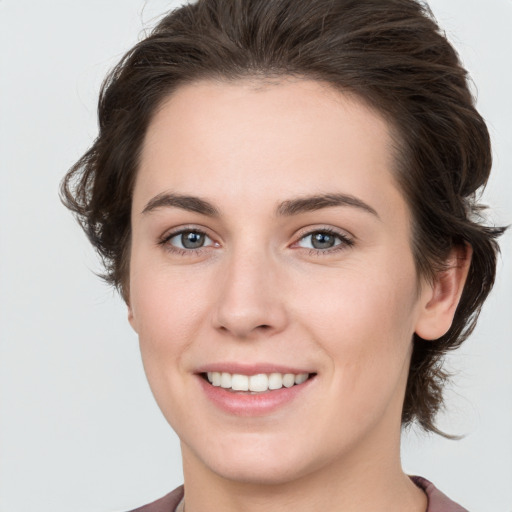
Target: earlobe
x=131, y=318
x=437, y=312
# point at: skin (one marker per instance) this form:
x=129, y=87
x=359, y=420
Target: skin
x=258, y=291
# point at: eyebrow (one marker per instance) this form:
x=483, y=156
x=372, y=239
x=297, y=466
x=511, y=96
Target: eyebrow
x=285, y=209
x=189, y=203
x=318, y=202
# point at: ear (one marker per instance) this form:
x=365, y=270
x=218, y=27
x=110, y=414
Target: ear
x=443, y=295
x=131, y=318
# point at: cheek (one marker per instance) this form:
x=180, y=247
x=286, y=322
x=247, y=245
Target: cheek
x=366, y=303
x=167, y=315
x=365, y=324
x=165, y=304
x=166, y=310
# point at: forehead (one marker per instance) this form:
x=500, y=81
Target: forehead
x=260, y=142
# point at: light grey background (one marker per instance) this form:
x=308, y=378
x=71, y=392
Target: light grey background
x=79, y=430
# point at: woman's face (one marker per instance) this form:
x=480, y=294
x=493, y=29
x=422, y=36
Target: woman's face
x=270, y=239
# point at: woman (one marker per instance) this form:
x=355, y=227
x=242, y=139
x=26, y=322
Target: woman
x=284, y=194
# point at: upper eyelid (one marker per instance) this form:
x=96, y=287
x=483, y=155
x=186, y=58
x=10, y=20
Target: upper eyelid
x=343, y=233
x=170, y=233
x=178, y=233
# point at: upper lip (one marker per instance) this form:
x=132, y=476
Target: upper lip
x=251, y=368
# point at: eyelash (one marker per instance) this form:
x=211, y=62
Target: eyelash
x=345, y=242
x=179, y=251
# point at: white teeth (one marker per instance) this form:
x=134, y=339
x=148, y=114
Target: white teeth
x=300, y=378
x=288, y=380
x=216, y=378
x=225, y=380
x=239, y=382
x=258, y=382
x=275, y=381
x=255, y=383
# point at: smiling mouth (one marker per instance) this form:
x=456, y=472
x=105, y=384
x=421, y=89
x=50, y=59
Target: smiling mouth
x=254, y=384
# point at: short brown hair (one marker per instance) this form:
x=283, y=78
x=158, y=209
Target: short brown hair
x=389, y=53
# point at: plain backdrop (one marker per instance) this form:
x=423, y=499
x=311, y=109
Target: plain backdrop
x=79, y=430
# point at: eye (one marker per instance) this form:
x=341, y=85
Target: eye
x=187, y=240
x=324, y=240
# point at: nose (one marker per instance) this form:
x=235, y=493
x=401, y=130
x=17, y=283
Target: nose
x=250, y=296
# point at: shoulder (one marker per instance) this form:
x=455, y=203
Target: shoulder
x=167, y=503
x=437, y=501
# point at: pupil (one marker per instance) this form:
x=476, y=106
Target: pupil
x=323, y=241
x=192, y=240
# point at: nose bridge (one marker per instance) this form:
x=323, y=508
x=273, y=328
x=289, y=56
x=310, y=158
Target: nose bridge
x=249, y=298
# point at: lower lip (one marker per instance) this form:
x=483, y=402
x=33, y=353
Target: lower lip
x=246, y=404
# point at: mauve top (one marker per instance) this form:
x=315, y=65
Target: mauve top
x=437, y=501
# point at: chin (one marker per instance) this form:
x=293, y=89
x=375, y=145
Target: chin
x=258, y=461
x=263, y=472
